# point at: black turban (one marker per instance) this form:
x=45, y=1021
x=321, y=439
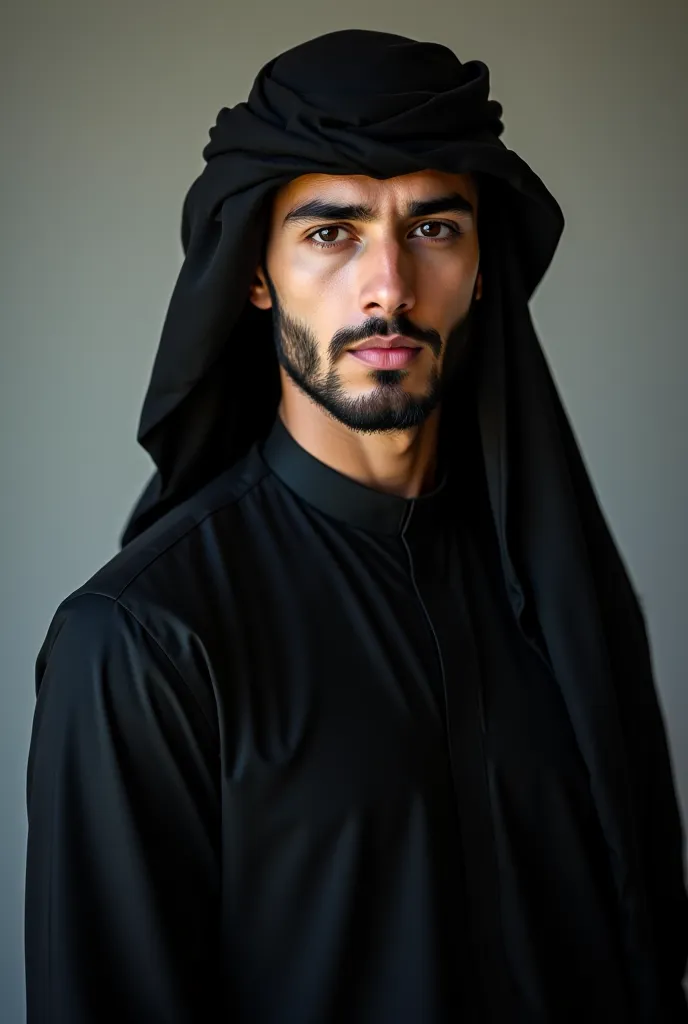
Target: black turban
x=378, y=104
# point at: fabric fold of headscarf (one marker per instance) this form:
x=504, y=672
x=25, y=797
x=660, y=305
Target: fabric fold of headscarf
x=378, y=104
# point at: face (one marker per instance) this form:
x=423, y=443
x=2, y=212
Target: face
x=351, y=261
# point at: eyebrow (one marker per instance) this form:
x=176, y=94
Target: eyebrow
x=320, y=209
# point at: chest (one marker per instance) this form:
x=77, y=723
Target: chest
x=352, y=677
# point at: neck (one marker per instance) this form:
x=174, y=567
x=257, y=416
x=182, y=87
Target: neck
x=400, y=462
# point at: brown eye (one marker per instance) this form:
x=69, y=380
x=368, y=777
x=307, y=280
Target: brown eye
x=326, y=243
x=328, y=234
x=435, y=226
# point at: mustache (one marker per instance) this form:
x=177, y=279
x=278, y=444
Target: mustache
x=376, y=325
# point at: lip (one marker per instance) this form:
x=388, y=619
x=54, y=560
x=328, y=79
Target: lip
x=389, y=341
x=387, y=358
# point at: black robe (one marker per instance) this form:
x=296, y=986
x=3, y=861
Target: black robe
x=292, y=763
x=375, y=103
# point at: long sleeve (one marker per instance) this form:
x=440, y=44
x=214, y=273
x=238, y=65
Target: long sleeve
x=122, y=912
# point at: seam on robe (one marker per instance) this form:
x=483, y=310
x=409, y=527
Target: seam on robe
x=187, y=686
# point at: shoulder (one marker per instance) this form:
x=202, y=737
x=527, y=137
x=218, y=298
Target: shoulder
x=170, y=564
x=155, y=599
x=163, y=548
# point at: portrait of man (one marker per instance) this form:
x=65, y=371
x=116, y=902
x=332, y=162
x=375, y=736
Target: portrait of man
x=359, y=726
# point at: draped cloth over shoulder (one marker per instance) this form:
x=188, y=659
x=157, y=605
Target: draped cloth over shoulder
x=378, y=104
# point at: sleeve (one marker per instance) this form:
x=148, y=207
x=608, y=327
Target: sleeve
x=122, y=905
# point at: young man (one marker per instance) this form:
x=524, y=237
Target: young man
x=360, y=725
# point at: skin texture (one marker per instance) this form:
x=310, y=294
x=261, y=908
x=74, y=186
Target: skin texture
x=393, y=274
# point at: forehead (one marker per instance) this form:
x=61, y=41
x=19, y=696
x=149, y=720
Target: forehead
x=379, y=193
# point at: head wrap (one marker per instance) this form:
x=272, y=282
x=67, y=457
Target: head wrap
x=350, y=102
x=378, y=104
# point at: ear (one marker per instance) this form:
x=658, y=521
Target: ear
x=478, y=292
x=259, y=293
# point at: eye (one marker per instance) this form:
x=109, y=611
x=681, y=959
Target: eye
x=329, y=241
x=452, y=229
x=452, y=232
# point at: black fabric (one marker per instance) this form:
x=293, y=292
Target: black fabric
x=382, y=105
x=293, y=764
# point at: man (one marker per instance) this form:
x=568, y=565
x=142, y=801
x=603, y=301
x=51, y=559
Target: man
x=360, y=725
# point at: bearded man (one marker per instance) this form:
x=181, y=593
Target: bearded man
x=360, y=726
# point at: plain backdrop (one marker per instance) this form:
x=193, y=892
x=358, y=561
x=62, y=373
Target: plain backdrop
x=106, y=108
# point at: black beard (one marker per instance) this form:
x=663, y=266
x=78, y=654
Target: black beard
x=388, y=407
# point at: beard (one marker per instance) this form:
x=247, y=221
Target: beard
x=388, y=406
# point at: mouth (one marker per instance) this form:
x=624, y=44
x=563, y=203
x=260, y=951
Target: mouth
x=387, y=353
x=392, y=341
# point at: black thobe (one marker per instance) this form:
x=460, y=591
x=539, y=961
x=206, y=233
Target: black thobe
x=293, y=763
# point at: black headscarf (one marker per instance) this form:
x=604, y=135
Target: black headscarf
x=378, y=104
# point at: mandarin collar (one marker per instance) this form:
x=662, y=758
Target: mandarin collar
x=343, y=498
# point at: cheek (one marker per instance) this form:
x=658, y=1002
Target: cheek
x=319, y=292
x=311, y=294
x=446, y=286
x=314, y=300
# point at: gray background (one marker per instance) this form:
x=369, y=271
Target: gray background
x=105, y=111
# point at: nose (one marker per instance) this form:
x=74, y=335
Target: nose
x=387, y=280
